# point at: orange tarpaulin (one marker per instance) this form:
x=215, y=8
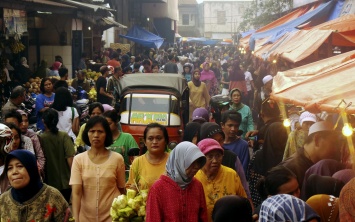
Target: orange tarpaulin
x=302, y=46
x=319, y=86
x=340, y=32
x=244, y=42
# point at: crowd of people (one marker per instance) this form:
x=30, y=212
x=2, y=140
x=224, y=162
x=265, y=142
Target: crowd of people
x=244, y=166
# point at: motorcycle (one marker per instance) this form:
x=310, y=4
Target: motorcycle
x=29, y=107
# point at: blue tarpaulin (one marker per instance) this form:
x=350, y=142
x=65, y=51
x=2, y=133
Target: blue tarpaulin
x=143, y=37
x=317, y=16
x=244, y=34
x=337, y=9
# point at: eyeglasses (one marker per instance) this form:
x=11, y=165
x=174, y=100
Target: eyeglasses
x=216, y=157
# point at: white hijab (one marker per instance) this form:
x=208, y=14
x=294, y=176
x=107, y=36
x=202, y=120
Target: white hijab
x=182, y=156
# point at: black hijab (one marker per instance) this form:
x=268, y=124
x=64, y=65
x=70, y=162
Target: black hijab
x=30, y=163
x=196, y=82
x=232, y=208
x=191, y=130
x=316, y=184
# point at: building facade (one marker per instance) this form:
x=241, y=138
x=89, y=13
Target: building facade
x=188, y=24
x=220, y=18
x=157, y=16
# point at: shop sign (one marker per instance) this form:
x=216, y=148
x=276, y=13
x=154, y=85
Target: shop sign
x=146, y=118
x=348, y=8
x=15, y=21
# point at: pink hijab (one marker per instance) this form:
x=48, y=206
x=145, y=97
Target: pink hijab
x=207, y=75
x=56, y=65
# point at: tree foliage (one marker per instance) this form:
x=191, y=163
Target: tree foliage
x=262, y=12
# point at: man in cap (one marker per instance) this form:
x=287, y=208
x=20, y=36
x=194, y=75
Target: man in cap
x=322, y=143
x=262, y=94
x=267, y=89
x=297, y=137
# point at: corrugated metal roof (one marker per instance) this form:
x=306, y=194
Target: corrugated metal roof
x=47, y=2
x=111, y=22
x=86, y=5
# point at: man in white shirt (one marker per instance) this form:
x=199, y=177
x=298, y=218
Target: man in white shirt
x=250, y=86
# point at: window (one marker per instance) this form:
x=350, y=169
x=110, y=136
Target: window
x=147, y=108
x=185, y=19
x=241, y=9
x=221, y=17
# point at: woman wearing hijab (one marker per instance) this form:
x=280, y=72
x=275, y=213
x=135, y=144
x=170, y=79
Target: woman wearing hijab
x=232, y=208
x=217, y=180
x=325, y=167
x=199, y=96
x=326, y=206
x=230, y=159
x=55, y=68
x=285, y=207
x=209, y=78
x=22, y=72
x=29, y=199
x=189, y=202
x=236, y=104
x=347, y=202
x=316, y=184
x=344, y=175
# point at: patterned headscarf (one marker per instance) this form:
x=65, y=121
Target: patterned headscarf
x=326, y=206
x=182, y=156
x=347, y=202
x=284, y=207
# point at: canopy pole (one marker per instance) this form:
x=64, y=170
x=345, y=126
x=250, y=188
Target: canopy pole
x=349, y=140
x=283, y=111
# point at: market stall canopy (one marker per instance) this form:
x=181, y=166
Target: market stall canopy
x=110, y=22
x=244, y=42
x=143, y=37
x=303, y=43
x=312, y=18
x=319, y=86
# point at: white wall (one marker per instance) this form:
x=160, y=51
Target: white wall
x=49, y=52
x=234, y=11
x=161, y=10
x=109, y=36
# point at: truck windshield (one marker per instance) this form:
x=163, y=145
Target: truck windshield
x=147, y=108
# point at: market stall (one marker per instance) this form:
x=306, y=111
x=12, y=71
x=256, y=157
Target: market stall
x=319, y=86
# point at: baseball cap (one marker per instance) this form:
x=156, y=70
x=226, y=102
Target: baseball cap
x=307, y=116
x=209, y=129
x=207, y=145
x=200, y=114
x=320, y=127
x=267, y=78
